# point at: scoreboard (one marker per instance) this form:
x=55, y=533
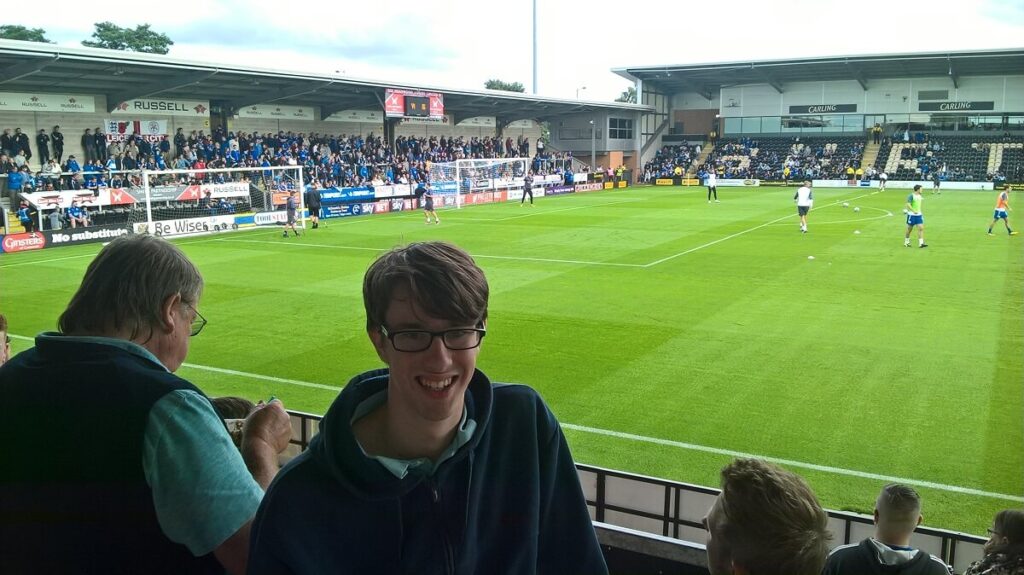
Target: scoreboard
x=417, y=106
x=413, y=104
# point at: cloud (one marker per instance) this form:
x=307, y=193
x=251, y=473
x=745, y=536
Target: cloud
x=372, y=49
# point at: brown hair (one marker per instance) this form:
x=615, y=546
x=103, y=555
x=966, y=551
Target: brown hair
x=773, y=522
x=898, y=507
x=1009, y=523
x=442, y=279
x=126, y=285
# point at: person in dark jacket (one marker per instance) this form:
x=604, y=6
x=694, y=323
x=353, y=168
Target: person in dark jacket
x=426, y=466
x=127, y=468
x=1004, y=551
x=897, y=514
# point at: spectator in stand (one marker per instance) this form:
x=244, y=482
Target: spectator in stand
x=5, y=341
x=73, y=169
x=100, y=144
x=21, y=144
x=426, y=465
x=43, y=145
x=57, y=137
x=51, y=173
x=77, y=215
x=897, y=514
x=28, y=216
x=1004, y=551
x=89, y=146
x=766, y=520
x=140, y=475
x=15, y=181
x=7, y=144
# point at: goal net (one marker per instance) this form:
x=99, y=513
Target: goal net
x=451, y=182
x=194, y=202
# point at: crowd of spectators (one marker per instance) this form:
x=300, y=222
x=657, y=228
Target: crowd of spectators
x=671, y=161
x=809, y=159
x=331, y=160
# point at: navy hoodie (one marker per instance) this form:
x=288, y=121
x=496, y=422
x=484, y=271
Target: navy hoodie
x=508, y=501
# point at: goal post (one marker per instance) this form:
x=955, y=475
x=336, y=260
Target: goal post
x=195, y=202
x=452, y=181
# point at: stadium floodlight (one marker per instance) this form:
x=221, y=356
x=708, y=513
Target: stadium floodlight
x=593, y=145
x=578, y=91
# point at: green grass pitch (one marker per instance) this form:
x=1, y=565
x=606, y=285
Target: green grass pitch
x=665, y=332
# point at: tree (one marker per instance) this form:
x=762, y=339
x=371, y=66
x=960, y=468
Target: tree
x=14, y=32
x=140, y=39
x=506, y=86
x=628, y=96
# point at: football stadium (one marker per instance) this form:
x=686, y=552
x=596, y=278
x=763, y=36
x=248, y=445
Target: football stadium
x=654, y=275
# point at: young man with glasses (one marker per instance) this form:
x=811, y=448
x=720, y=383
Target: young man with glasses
x=120, y=466
x=426, y=466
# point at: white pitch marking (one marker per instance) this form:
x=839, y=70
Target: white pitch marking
x=800, y=464
x=659, y=441
x=482, y=256
x=737, y=234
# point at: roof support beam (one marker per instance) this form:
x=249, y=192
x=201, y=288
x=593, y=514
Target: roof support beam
x=858, y=75
x=280, y=94
x=18, y=71
x=954, y=75
x=114, y=99
x=768, y=79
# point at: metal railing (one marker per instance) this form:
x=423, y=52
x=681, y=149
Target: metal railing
x=672, y=509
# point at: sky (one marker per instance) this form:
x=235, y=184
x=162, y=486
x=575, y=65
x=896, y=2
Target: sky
x=462, y=43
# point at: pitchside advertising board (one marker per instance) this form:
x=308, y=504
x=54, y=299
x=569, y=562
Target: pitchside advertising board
x=353, y=209
x=46, y=239
x=122, y=196
x=341, y=195
x=190, y=226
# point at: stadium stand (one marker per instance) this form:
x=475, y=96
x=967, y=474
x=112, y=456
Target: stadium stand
x=824, y=157
x=967, y=158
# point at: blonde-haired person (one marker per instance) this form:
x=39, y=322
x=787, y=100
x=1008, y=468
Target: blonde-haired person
x=766, y=521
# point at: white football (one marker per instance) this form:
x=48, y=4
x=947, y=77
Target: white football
x=856, y=209
x=856, y=231
x=846, y=204
x=810, y=257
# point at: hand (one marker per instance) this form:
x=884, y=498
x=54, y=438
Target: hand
x=270, y=425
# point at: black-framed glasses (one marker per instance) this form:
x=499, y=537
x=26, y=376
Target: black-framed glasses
x=413, y=340
x=198, y=322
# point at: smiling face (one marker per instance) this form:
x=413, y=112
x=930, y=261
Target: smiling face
x=426, y=388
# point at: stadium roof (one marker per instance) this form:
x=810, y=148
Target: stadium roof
x=46, y=68
x=709, y=79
